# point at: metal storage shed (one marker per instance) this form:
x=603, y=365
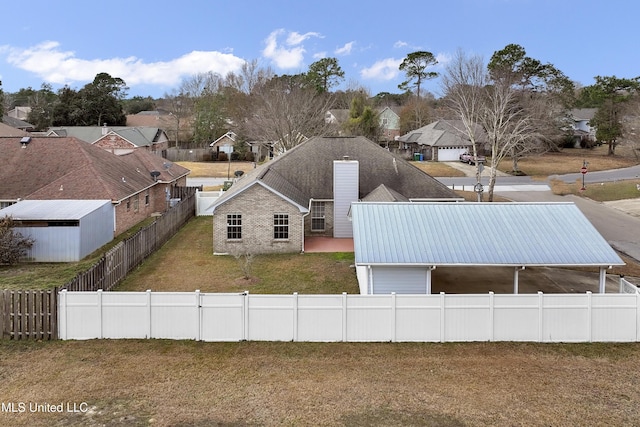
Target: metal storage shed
x=397, y=245
x=63, y=230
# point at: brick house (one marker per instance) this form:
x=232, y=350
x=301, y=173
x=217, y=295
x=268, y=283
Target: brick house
x=42, y=168
x=118, y=139
x=308, y=191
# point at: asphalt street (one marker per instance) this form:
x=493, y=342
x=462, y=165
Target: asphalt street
x=617, y=222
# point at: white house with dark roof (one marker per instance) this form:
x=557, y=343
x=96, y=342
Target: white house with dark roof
x=398, y=245
x=308, y=191
x=442, y=140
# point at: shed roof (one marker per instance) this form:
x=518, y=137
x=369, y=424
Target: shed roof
x=52, y=209
x=465, y=234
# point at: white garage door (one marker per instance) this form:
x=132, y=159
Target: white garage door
x=447, y=154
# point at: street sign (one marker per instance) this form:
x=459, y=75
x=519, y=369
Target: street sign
x=583, y=170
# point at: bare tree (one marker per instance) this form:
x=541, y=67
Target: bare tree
x=507, y=126
x=286, y=112
x=464, y=84
x=250, y=76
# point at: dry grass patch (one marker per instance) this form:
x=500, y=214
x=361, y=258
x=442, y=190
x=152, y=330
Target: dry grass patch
x=569, y=160
x=601, y=192
x=134, y=382
x=215, y=169
x=438, y=169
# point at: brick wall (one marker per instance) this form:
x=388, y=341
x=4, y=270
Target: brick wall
x=257, y=207
x=137, y=208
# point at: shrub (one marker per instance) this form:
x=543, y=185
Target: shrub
x=235, y=156
x=13, y=245
x=222, y=156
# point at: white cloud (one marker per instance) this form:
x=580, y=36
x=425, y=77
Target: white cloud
x=443, y=59
x=387, y=69
x=345, y=50
x=400, y=44
x=289, y=54
x=53, y=65
x=319, y=55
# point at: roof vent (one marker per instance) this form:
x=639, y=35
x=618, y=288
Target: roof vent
x=25, y=140
x=155, y=175
x=345, y=158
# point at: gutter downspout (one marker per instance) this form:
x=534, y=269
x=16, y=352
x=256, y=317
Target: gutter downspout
x=303, y=218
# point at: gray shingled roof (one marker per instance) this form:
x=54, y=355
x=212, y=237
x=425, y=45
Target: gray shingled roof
x=463, y=234
x=443, y=133
x=306, y=172
x=67, y=168
x=141, y=136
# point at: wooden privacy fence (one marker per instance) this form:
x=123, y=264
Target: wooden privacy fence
x=115, y=264
x=29, y=314
x=351, y=318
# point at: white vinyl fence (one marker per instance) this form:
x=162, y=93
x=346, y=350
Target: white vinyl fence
x=354, y=318
x=205, y=201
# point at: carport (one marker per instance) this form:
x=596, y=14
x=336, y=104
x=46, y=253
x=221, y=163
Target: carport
x=398, y=245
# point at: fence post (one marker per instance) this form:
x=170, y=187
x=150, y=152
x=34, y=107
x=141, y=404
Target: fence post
x=540, y=316
x=148, y=316
x=198, y=315
x=393, y=317
x=442, y=316
x=62, y=315
x=52, y=319
x=99, y=302
x=245, y=314
x=589, y=316
x=295, y=317
x=491, y=316
x=344, y=316
x=637, y=316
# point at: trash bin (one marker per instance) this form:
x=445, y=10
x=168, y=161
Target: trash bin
x=416, y=156
x=421, y=157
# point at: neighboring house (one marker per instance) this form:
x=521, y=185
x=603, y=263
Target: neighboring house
x=62, y=230
x=584, y=135
x=160, y=119
x=18, y=123
x=336, y=117
x=398, y=245
x=261, y=150
x=224, y=144
x=20, y=113
x=6, y=130
x=52, y=168
x=390, y=124
x=441, y=141
x=308, y=190
x=388, y=118
x=118, y=139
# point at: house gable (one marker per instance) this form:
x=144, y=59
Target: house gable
x=256, y=208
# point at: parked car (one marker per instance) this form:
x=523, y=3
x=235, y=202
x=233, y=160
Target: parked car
x=471, y=159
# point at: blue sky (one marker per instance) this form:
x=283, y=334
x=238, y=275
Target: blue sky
x=154, y=45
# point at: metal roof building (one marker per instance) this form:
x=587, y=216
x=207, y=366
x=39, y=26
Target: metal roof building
x=422, y=236
x=63, y=230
